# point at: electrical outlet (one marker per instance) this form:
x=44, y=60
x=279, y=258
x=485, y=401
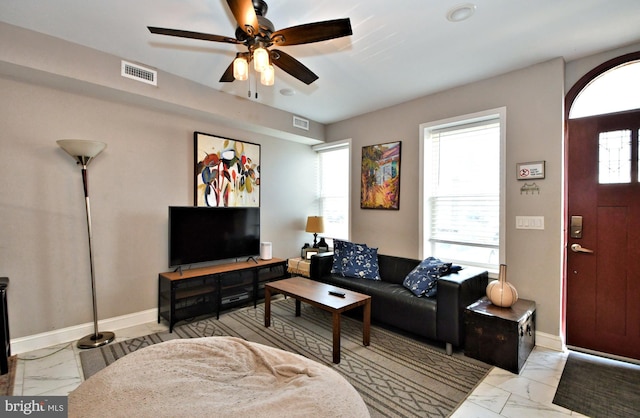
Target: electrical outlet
x=529, y=222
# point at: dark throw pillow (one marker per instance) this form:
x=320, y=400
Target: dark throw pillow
x=342, y=252
x=423, y=280
x=363, y=263
x=355, y=260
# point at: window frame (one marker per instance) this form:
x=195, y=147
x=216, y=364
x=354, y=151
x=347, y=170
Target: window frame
x=327, y=147
x=424, y=187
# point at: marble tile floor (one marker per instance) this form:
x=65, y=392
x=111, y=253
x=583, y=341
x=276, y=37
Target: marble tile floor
x=56, y=370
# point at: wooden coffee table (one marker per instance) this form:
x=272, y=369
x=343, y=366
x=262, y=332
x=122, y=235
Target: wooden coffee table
x=317, y=294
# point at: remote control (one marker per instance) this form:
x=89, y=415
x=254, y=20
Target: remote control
x=334, y=293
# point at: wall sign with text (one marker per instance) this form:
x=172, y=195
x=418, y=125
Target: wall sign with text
x=532, y=170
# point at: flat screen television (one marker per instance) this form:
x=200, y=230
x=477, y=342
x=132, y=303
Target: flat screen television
x=204, y=234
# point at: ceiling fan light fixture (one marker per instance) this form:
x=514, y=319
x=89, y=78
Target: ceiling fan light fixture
x=461, y=12
x=240, y=69
x=257, y=33
x=268, y=76
x=260, y=59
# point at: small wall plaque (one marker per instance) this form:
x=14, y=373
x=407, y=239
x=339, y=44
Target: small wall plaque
x=531, y=170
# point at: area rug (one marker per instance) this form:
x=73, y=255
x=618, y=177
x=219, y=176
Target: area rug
x=7, y=380
x=599, y=387
x=395, y=375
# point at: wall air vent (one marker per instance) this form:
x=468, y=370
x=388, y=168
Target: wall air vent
x=301, y=123
x=140, y=73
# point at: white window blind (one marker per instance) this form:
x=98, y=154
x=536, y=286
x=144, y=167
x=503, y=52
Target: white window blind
x=334, y=190
x=463, y=178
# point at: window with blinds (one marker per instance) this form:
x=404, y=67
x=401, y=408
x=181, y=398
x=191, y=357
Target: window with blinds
x=333, y=165
x=463, y=192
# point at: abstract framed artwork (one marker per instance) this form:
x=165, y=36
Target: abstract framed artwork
x=227, y=172
x=380, y=179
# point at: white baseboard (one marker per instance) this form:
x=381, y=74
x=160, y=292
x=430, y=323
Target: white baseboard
x=552, y=342
x=47, y=339
x=59, y=336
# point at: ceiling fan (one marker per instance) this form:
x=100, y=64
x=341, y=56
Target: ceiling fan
x=258, y=34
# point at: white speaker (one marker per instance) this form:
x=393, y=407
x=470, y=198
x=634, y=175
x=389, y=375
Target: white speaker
x=265, y=250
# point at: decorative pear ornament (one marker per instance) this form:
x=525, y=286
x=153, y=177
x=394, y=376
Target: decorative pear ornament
x=500, y=292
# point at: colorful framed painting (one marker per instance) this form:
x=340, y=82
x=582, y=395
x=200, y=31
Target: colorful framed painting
x=380, y=179
x=227, y=172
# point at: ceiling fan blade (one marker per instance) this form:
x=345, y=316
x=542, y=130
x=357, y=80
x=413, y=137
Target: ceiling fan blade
x=245, y=15
x=228, y=77
x=292, y=66
x=193, y=35
x=312, y=32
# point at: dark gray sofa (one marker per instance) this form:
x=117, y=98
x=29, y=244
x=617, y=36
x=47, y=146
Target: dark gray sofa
x=439, y=318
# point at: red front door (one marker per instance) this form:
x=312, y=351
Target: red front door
x=603, y=286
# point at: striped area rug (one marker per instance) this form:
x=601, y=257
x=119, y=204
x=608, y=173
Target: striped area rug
x=396, y=376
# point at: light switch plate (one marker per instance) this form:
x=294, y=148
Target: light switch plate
x=529, y=222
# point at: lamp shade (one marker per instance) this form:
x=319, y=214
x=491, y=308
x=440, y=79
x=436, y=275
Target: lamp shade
x=268, y=76
x=81, y=147
x=260, y=59
x=240, y=69
x=315, y=224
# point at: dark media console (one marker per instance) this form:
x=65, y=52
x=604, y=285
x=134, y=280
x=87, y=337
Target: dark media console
x=187, y=294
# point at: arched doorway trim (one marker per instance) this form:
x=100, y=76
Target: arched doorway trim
x=593, y=74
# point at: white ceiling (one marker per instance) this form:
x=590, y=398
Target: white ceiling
x=400, y=50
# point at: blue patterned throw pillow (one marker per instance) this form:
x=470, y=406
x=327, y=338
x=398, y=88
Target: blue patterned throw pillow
x=355, y=260
x=363, y=263
x=342, y=252
x=423, y=280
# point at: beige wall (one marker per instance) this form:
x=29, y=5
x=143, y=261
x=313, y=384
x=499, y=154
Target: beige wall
x=534, y=101
x=147, y=166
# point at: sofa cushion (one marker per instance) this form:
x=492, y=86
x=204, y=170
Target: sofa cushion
x=423, y=280
x=393, y=304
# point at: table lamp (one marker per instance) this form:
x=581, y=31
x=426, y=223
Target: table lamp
x=315, y=224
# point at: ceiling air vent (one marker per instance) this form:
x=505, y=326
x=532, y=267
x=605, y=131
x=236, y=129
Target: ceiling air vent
x=140, y=73
x=298, y=122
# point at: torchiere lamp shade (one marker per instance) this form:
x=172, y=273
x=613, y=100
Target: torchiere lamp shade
x=81, y=149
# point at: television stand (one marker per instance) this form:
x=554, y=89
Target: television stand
x=186, y=295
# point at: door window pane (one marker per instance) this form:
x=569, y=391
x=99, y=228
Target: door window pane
x=614, y=157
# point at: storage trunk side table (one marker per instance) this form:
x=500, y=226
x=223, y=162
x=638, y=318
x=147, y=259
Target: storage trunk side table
x=503, y=337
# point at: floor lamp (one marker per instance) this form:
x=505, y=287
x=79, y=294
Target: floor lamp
x=83, y=152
